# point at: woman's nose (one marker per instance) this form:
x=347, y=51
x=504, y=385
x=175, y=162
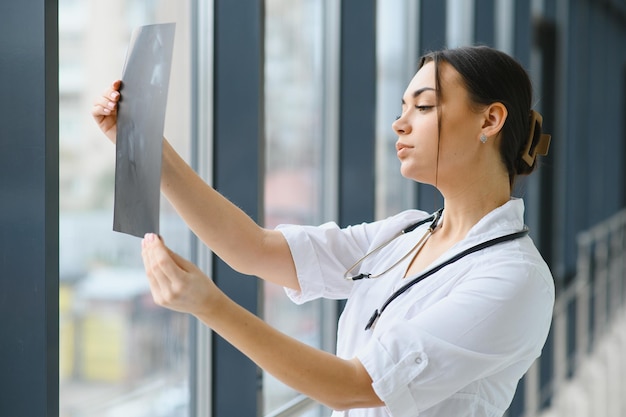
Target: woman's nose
x=400, y=126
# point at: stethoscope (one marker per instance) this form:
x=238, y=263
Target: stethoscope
x=434, y=219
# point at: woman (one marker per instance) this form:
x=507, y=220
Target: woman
x=455, y=342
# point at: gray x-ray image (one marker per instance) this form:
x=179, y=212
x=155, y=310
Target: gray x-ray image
x=141, y=116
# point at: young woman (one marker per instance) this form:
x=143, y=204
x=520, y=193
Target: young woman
x=471, y=314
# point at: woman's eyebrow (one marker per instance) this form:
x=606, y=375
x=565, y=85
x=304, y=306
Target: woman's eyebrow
x=419, y=91
x=416, y=93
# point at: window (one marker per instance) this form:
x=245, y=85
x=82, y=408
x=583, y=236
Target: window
x=295, y=77
x=119, y=353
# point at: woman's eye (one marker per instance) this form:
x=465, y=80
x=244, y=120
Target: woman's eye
x=424, y=108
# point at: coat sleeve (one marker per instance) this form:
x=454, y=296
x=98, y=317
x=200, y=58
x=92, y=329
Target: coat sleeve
x=322, y=254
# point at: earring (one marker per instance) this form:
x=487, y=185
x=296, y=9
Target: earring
x=483, y=138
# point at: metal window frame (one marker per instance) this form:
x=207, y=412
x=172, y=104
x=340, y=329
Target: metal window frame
x=460, y=22
x=202, y=61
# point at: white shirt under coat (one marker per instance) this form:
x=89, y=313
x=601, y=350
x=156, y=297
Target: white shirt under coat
x=457, y=343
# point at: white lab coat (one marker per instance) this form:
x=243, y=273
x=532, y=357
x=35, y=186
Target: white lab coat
x=457, y=343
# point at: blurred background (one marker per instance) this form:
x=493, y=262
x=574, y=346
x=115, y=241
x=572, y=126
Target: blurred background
x=286, y=107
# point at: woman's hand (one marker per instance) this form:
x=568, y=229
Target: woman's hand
x=104, y=110
x=176, y=283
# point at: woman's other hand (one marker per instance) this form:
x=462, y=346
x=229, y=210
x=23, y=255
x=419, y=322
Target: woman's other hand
x=176, y=283
x=104, y=110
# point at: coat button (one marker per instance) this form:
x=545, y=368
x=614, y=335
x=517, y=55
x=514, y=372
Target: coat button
x=418, y=360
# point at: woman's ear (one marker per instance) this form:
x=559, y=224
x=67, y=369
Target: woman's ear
x=495, y=116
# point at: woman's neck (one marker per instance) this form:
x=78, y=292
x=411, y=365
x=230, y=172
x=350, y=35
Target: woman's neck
x=465, y=206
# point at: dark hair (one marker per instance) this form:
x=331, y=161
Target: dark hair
x=492, y=76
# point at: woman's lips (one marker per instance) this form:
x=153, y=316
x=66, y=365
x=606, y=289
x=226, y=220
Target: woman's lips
x=402, y=148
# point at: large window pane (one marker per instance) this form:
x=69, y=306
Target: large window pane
x=120, y=355
x=294, y=130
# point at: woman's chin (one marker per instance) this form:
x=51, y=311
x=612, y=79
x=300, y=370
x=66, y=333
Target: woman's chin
x=412, y=174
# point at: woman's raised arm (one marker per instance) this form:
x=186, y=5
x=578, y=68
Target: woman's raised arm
x=222, y=226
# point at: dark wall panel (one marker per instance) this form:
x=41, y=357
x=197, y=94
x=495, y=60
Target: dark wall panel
x=357, y=111
x=523, y=32
x=484, y=25
x=590, y=178
x=432, y=26
x=238, y=125
x=29, y=209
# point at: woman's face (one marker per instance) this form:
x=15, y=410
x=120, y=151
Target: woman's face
x=426, y=156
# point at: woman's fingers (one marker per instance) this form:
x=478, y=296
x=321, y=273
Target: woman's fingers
x=160, y=267
x=175, y=282
x=104, y=105
x=104, y=110
x=158, y=284
x=107, y=102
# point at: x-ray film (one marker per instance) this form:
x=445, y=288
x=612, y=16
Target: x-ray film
x=140, y=121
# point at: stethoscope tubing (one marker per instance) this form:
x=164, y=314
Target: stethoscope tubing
x=500, y=239
x=433, y=218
